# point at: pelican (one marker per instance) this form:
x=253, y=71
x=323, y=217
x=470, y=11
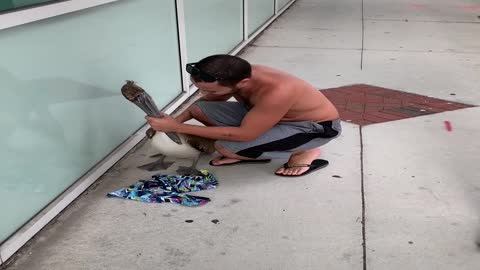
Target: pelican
x=183, y=146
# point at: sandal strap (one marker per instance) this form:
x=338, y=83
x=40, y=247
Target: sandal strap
x=286, y=166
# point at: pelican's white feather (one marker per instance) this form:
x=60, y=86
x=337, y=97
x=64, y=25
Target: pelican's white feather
x=163, y=144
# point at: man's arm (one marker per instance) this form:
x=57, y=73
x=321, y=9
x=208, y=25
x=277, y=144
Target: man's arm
x=267, y=112
x=264, y=115
x=217, y=133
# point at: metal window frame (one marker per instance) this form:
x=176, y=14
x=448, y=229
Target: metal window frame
x=49, y=10
x=29, y=15
x=245, y=20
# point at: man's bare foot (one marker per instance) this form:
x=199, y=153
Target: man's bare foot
x=224, y=160
x=304, y=157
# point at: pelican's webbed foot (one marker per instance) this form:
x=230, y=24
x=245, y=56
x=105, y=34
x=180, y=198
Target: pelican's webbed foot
x=157, y=165
x=182, y=170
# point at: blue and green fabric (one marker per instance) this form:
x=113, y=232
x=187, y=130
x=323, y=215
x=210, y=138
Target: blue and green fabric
x=162, y=188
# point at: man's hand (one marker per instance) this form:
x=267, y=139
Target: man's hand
x=164, y=124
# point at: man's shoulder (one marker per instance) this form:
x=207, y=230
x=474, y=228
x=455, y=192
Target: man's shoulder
x=276, y=96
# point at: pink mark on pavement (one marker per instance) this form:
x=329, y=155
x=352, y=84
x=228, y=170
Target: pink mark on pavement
x=413, y=5
x=470, y=7
x=448, y=125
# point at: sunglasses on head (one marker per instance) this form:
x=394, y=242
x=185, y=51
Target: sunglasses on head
x=194, y=71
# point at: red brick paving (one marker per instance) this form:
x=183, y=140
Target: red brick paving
x=364, y=104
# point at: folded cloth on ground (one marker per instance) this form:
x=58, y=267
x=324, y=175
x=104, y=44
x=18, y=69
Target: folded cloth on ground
x=169, y=188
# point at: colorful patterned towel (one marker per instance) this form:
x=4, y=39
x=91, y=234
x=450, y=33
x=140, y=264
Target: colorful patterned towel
x=169, y=188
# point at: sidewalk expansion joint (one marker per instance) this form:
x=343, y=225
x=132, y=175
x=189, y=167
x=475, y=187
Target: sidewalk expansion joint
x=362, y=181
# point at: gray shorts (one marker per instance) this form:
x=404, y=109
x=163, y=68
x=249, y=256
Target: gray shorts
x=279, y=141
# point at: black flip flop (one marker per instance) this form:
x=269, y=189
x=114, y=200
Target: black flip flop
x=252, y=161
x=315, y=165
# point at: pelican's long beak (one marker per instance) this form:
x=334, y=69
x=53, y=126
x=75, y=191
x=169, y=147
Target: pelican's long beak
x=150, y=133
x=144, y=101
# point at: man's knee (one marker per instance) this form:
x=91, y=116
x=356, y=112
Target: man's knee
x=199, y=115
x=222, y=150
x=228, y=153
x=196, y=111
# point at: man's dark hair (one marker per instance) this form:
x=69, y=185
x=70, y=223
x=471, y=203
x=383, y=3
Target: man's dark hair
x=227, y=69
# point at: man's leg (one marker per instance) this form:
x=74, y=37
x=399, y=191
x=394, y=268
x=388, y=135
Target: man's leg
x=300, y=157
x=308, y=152
x=200, y=116
x=297, y=141
x=216, y=113
x=196, y=113
x=227, y=156
x=296, y=158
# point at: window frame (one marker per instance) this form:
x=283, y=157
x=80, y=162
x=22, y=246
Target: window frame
x=16, y=17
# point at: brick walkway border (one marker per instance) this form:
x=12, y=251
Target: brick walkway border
x=364, y=104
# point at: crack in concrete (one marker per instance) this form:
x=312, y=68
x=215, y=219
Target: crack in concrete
x=362, y=178
x=304, y=47
x=420, y=51
x=408, y=20
x=434, y=195
x=363, y=38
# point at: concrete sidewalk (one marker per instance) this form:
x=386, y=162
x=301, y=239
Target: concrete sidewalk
x=406, y=193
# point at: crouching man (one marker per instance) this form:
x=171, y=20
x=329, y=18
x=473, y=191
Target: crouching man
x=275, y=115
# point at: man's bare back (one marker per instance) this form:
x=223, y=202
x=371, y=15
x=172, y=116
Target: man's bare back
x=309, y=103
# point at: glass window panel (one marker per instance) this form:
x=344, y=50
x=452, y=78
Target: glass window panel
x=7, y=5
x=259, y=11
x=282, y=3
x=212, y=26
x=61, y=109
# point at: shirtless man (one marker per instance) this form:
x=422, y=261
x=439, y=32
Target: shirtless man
x=275, y=115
